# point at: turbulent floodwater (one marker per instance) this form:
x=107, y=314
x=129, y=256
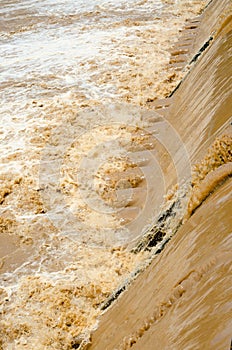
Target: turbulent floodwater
x=76, y=155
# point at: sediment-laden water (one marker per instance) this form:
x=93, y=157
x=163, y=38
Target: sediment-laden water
x=77, y=155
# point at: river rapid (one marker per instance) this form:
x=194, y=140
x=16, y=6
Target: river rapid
x=73, y=78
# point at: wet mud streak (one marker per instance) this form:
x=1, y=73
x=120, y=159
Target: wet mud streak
x=202, y=49
x=159, y=233
x=113, y=297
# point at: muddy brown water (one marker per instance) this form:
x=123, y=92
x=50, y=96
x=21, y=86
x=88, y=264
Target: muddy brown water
x=82, y=176
x=183, y=299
